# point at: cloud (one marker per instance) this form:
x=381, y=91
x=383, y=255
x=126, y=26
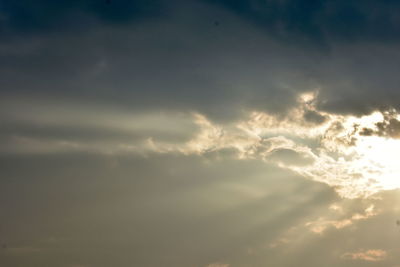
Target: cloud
x=26, y=17
x=145, y=56
x=336, y=151
x=197, y=133
x=320, y=21
x=290, y=157
x=42, y=127
x=322, y=224
x=367, y=255
x=109, y=203
x=389, y=126
x=218, y=265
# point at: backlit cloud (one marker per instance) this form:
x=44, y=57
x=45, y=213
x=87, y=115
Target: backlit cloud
x=201, y=133
x=367, y=255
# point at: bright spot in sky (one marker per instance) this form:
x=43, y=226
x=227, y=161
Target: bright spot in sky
x=356, y=163
x=378, y=159
x=339, y=153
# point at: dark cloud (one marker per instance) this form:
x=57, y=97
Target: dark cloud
x=388, y=127
x=166, y=65
x=320, y=21
x=40, y=17
x=317, y=21
x=90, y=73
x=366, y=132
x=314, y=117
x=181, y=61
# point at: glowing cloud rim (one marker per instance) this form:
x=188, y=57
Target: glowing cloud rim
x=352, y=154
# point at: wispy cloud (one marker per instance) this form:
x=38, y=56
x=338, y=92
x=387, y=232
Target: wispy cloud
x=218, y=265
x=366, y=255
x=322, y=224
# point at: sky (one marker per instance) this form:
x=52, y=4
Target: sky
x=199, y=133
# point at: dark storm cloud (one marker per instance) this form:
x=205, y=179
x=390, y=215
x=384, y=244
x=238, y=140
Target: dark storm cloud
x=159, y=55
x=170, y=55
x=287, y=19
x=319, y=21
x=180, y=63
x=38, y=17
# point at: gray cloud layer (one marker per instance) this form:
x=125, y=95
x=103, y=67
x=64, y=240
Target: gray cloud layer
x=87, y=210
x=89, y=91
x=181, y=60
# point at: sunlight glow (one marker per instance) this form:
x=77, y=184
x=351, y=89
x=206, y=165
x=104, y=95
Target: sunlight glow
x=378, y=159
x=358, y=164
x=358, y=156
